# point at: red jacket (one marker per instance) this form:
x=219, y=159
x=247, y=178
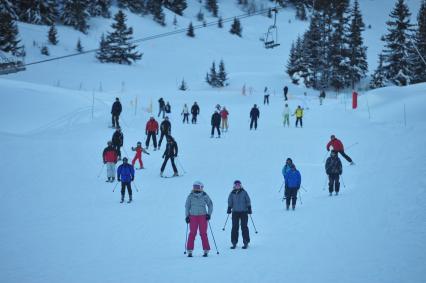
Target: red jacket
x=151, y=126
x=336, y=144
x=110, y=155
x=138, y=150
x=224, y=114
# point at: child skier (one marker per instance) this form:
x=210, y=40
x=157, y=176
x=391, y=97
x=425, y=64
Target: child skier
x=138, y=156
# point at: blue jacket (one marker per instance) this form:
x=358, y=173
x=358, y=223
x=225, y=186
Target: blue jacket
x=285, y=170
x=239, y=200
x=126, y=173
x=293, y=179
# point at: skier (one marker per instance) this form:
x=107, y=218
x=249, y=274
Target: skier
x=215, y=123
x=321, y=96
x=333, y=168
x=292, y=185
x=286, y=115
x=138, y=156
x=266, y=94
x=224, y=117
x=285, y=92
x=185, y=113
x=165, y=129
x=195, y=110
x=151, y=130
x=299, y=116
x=170, y=153
x=110, y=159
x=117, y=141
x=337, y=145
x=116, y=111
x=218, y=108
x=125, y=175
x=197, y=216
x=168, y=108
x=254, y=115
x=240, y=205
x=161, y=106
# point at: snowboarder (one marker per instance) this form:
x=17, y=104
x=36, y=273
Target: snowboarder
x=168, y=108
x=292, y=185
x=337, y=145
x=286, y=115
x=224, y=118
x=195, y=110
x=170, y=153
x=151, y=130
x=116, y=111
x=254, y=115
x=333, y=168
x=138, y=156
x=240, y=206
x=165, y=129
x=161, y=106
x=125, y=175
x=266, y=94
x=110, y=159
x=285, y=93
x=185, y=113
x=215, y=123
x=197, y=216
x=299, y=116
x=117, y=141
x=321, y=96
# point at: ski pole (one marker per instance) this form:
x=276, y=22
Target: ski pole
x=282, y=185
x=253, y=224
x=354, y=144
x=100, y=172
x=186, y=238
x=136, y=187
x=115, y=186
x=300, y=197
x=343, y=182
x=211, y=231
x=303, y=188
x=223, y=229
x=180, y=164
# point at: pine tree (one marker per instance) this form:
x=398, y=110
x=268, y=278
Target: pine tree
x=291, y=63
x=211, y=78
x=177, y=6
x=6, y=6
x=236, y=27
x=134, y=6
x=79, y=47
x=312, y=44
x=190, y=31
x=45, y=51
x=116, y=47
x=396, y=62
x=378, y=79
x=75, y=14
x=418, y=45
x=42, y=12
x=155, y=8
x=183, y=85
x=99, y=8
x=222, y=75
x=212, y=7
x=220, y=23
x=53, y=35
x=10, y=45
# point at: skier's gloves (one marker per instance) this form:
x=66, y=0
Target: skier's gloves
x=249, y=210
x=208, y=217
x=228, y=211
x=133, y=178
x=187, y=219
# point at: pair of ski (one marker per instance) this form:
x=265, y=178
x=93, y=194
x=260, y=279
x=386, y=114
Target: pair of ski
x=122, y=201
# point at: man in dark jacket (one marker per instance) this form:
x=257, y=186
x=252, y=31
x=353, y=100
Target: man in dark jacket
x=195, y=110
x=254, y=115
x=116, y=111
x=170, y=153
x=165, y=129
x=216, y=123
x=117, y=141
x=125, y=175
x=161, y=107
x=285, y=93
x=240, y=206
x=293, y=181
x=333, y=168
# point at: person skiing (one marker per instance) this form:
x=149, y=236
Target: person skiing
x=266, y=94
x=285, y=93
x=215, y=123
x=286, y=115
x=299, y=116
x=170, y=153
x=224, y=118
x=240, y=205
x=218, y=107
x=168, y=108
x=293, y=181
x=138, y=156
x=337, y=146
x=333, y=168
x=197, y=216
x=254, y=115
x=116, y=111
x=321, y=96
x=118, y=141
x=110, y=157
x=165, y=129
x=125, y=175
x=185, y=113
x=195, y=110
x=161, y=106
x=151, y=130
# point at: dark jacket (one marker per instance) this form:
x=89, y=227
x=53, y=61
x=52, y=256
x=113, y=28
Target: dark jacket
x=161, y=103
x=166, y=127
x=171, y=149
x=333, y=165
x=117, y=138
x=285, y=90
x=195, y=109
x=216, y=119
x=126, y=173
x=239, y=201
x=116, y=108
x=254, y=113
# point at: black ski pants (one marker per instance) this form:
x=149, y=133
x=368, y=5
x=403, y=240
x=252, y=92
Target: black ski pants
x=290, y=194
x=345, y=156
x=161, y=110
x=114, y=119
x=172, y=159
x=299, y=119
x=161, y=138
x=117, y=149
x=253, y=122
x=154, y=139
x=185, y=118
x=266, y=99
x=194, y=119
x=333, y=183
x=238, y=217
x=217, y=128
x=123, y=189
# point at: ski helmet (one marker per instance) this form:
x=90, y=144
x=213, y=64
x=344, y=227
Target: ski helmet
x=197, y=185
x=125, y=160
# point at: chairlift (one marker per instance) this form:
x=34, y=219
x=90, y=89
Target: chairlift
x=10, y=64
x=271, y=36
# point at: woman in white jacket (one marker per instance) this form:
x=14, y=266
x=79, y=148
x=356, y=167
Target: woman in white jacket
x=286, y=116
x=185, y=113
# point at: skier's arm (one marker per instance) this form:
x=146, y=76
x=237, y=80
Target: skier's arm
x=230, y=203
x=328, y=146
x=187, y=206
x=340, y=168
x=176, y=149
x=144, y=151
x=209, y=205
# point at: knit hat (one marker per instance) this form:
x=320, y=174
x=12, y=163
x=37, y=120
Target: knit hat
x=197, y=185
x=237, y=184
x=125, y=159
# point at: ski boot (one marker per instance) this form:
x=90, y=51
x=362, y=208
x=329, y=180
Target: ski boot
x=245, y=246
x=122, y=199
x=130, y=199
x=206, y=253
x=189, y=253
x=161, y=174
x=233, y=246
x=336, y=193
x=293, y=207
x=108, y=180
x=287, y=207
x=176, y=174
x=330, y=194
x=112, y=179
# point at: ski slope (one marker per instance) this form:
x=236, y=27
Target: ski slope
x=61, y=223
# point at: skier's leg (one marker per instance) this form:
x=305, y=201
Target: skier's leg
x=113, y=121
x=255, y=124
x=293, y=198
x=337, y=183
x=301, y=122
x=134, y=160
x=140, y=161
x=154, y=139
x=287, y=196
x=203, y=232
x=123, y=190
x=172, y=159
x=161, y=138
x=129, y=190
x=212, y=133
x=148, y=137
x=251, y=123
x=218, y=130
x=330, y=183
x=117, y=117
x=193, y=227
x=164, y=163
x=234, y=230
x=345, y=156
x=244, y=228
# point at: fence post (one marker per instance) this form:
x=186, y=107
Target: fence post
x=93, y=103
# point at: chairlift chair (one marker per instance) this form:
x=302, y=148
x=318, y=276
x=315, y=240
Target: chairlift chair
x=271, y=36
